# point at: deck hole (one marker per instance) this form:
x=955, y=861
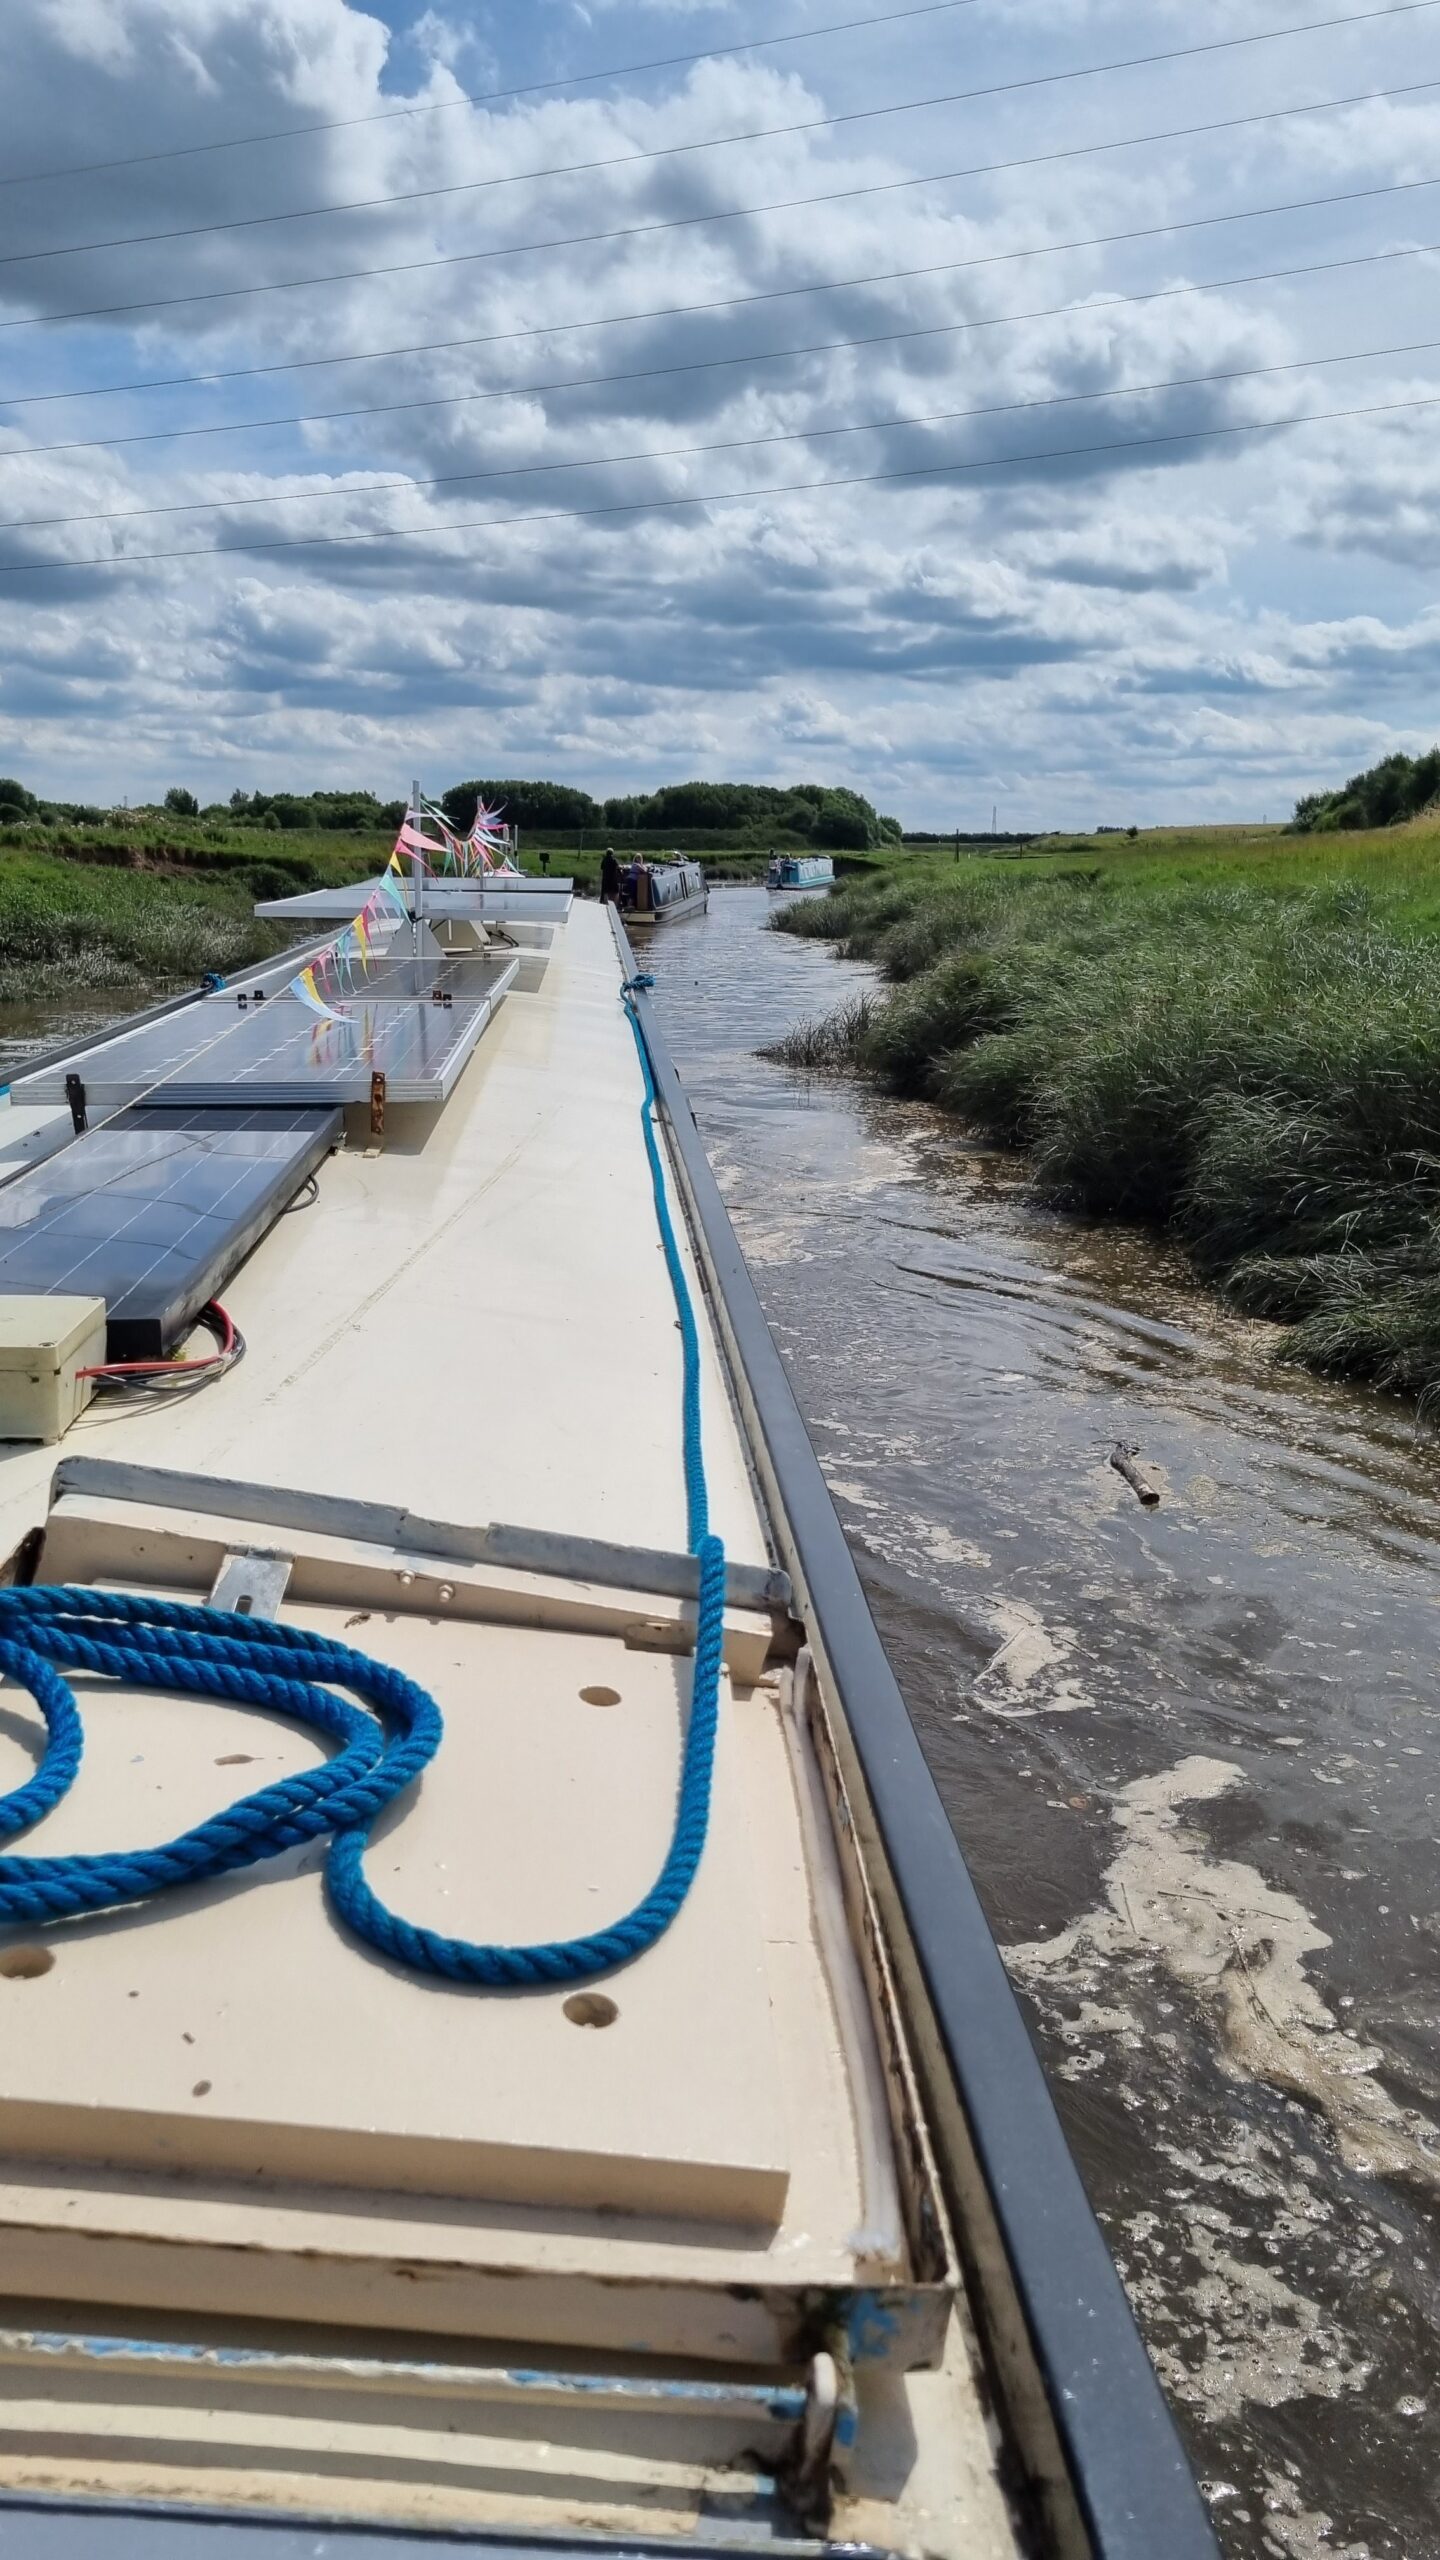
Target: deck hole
x=600, y=1696
x=202, y=2089
x=25, y=1964
x=591, y=2009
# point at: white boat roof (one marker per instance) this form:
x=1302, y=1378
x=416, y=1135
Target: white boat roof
x=228, y=2113
x=498, y=897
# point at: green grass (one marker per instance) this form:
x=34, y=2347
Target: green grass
x=145, y=900
x=68, y=929
x=1231, y=1036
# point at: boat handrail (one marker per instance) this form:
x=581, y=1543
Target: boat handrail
x=1105, y=2457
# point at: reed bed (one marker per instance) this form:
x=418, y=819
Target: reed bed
x=1238, y=1044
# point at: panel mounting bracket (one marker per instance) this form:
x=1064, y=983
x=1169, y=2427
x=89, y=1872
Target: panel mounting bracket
x=251, y=1581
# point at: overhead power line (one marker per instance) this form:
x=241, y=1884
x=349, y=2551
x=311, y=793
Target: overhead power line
x=993, y=320
x=518, y=390
x=929, y=470
x=724, y=444
x=727, y=302
x=684, y=222
x=717, y=142
x=486, y=97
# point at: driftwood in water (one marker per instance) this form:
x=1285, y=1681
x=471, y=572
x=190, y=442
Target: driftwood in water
x=1121, y=1458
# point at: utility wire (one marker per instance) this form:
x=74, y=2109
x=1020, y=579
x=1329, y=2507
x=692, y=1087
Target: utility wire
x=690, y=221
x=727, y=444
x=469, y=399
x=487, y=97
x=720, y=497
x=717, y=142
x=729, y=302
x=996, y=320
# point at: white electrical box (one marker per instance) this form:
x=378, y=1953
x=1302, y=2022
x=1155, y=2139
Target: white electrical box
x=44, y=1344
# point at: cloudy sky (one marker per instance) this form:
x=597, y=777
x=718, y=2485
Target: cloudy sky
x=586, y=378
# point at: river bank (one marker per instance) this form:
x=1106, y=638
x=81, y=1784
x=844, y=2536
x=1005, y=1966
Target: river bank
x=1191, y=1752
x=145, y=911
x=1245, y=1056
x=68, y=926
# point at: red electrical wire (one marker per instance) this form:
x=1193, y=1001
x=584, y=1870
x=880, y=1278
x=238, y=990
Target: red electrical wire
x=220, y=1324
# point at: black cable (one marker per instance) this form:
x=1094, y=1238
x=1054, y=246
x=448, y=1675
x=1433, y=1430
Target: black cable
x=487, y=97
x=679, y=222
x=468, y=399
x=716, y=142
x=175, y=1376
x=726, y=444
x=718, y=497
x=729, y=302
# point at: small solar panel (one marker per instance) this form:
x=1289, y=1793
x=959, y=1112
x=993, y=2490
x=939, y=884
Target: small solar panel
x=415, y=1020
x=154, y=1211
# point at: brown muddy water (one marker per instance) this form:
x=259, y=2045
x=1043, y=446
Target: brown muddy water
x=28, y=1030
x=1191, y=1752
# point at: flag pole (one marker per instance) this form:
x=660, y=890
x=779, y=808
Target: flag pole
x=417, y=870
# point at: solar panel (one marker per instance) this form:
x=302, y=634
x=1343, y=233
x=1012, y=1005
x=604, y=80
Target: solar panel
x=415, y=1020
x=154, y=1211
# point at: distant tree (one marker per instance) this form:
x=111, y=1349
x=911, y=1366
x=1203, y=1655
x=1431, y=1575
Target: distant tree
x=181, y=803
x=1397, y=788
x=827, y=813
x=271, y=823
x=525, y=804
x=13, y=795
x=845, y=829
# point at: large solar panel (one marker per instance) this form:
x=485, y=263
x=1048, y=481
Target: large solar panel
x=415, y=1020
x=154, y=1211
x=497, y=896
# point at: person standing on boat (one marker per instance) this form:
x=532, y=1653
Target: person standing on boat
x=610, y=877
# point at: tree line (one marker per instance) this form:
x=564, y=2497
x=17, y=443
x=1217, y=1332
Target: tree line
x=1400, y=786
x=818, y=813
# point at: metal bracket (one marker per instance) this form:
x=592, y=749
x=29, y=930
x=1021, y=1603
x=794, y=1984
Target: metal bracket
x=251, y=1581
x=550, y=1551
x=75, y=1096
x=377, y=1105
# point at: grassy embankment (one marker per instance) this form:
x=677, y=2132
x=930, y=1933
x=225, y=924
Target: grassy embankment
x=154, y=900
x=1234, y=1036
x=146, y=906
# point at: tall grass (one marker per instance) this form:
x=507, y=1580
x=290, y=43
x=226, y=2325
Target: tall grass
x=831, y=1041
x=67, y=928
x=1245, y=1052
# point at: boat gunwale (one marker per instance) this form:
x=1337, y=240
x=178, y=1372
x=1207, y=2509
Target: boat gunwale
x=1106, y=2463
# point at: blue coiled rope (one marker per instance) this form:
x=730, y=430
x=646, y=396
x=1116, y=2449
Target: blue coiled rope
x=385, y=1742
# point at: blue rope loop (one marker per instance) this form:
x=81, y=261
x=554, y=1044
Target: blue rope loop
x=384, y=1742
x=578, y=1959
x=164, y=1644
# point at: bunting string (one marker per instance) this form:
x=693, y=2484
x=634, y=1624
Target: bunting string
x=426, y=837
x=332, y=972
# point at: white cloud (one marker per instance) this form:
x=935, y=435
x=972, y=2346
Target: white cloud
x=1133, y=623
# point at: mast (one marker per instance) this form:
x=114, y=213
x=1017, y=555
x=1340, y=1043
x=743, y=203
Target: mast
x=417, y=870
